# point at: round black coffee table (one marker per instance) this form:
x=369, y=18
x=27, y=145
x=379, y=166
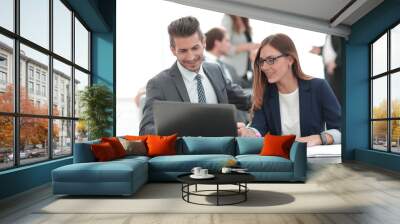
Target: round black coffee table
x=238, y=179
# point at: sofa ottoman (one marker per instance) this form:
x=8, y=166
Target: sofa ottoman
x=118, y=177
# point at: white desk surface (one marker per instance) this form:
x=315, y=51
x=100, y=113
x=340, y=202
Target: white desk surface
x=324, y=151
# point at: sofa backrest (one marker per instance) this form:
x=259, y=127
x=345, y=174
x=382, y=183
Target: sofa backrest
x=206, y=145
x=246, y=145
x=83, y=153
x=189, y=146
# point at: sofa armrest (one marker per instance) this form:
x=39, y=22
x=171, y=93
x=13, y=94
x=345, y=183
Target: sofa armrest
x=298, y=155
x=83, y=152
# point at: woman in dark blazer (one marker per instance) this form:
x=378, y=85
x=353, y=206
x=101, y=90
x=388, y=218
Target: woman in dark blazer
x=287, y=101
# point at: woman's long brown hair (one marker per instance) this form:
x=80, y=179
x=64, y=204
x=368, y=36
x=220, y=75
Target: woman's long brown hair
x=285, y=45
x=236, y=26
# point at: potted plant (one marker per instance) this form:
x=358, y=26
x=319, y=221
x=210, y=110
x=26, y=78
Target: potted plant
x=96, y=102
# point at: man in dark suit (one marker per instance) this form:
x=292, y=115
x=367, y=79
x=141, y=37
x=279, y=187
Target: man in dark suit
x=332, y=57
x=190, y=79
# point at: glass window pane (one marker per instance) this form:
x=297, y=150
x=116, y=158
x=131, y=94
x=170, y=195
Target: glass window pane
x=62, y=138
x=395, y=47
x=35, y=21
x=33, y=140
x=379, y=55
x=6, y=142
x=395, y=136
x=7, y=14
x=6, y=74
x=62, y=29
x=379, y=97
x=62, y=89
x=81, y=45
x=34, y=81
x=379, y=135
x=81, y=81
x=395, y=94
x=81, y=131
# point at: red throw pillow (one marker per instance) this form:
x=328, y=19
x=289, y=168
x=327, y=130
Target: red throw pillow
x=116, y=145
x=275, y=145
x=103, y=152
x=161, y=145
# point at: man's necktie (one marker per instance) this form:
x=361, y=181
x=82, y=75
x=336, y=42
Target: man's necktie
x=200, y=90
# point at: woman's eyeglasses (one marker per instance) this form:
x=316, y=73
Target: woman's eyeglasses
x=269, y=60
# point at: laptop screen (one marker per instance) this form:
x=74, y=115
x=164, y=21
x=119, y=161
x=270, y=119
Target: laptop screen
x=187, y=119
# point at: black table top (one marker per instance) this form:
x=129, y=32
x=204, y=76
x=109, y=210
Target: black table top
x=220, y=178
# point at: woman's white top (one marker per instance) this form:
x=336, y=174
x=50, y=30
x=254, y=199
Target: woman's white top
x=290, y=113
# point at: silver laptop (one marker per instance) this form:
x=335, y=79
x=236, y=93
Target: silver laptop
x=192, y=119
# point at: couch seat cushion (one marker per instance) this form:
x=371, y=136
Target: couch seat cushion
x=184, y=163
x=257, y=163
x=133, y=158
x=111, y=171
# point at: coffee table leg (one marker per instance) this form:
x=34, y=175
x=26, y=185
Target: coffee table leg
x=196, y=188
x=245, y=191
x=217, y=194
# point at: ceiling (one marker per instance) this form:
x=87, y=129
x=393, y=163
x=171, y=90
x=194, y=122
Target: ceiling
x=328, y=16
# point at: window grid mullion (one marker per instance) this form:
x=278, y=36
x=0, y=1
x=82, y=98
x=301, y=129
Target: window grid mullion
x=73, y=82
x=16, y=84
x=389, y=101
x=371, y=91
x=50, y=81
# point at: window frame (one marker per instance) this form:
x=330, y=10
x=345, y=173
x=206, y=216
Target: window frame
x=15, y=71
x=388, y=74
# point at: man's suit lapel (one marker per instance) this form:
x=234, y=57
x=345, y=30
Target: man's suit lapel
x=214, y=80
x=179, y=84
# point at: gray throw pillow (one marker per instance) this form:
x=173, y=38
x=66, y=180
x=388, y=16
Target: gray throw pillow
x=134, y=147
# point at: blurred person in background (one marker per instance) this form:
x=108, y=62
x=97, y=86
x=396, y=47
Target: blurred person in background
x=217, y=46
x=331, y=53
x=239, y=32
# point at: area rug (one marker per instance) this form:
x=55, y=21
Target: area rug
x=167, y=198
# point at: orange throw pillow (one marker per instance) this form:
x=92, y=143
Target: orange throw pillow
x=161, y=145
x=275, y=145
x=116, y=145
x=103, y=151
x=135, y=138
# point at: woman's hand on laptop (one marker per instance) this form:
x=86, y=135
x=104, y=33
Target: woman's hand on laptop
x=243, y=131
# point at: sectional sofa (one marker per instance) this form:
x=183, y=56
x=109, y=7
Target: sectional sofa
x=125, y=176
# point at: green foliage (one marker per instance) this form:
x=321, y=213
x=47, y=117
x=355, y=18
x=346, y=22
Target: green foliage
x=96, y=102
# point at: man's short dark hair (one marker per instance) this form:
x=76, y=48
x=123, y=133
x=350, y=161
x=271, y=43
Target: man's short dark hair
x=184, y=27
x=213, y=35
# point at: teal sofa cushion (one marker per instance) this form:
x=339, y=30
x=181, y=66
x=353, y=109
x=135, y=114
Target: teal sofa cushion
x=246, y=145
x=207, y=145
x=185, y=163
x=257, y=163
